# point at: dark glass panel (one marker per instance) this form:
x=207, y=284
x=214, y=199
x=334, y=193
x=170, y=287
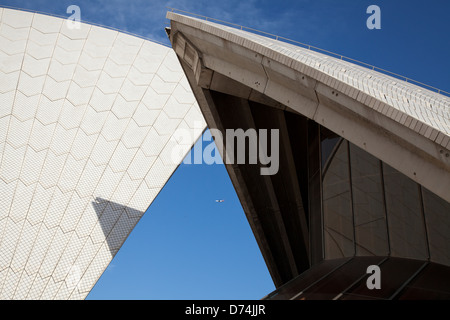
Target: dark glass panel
x=437, y=217
x=404, y=211
x=337, y=207
x=368, y=204
x=315, y=221
x=313, y=148
x=394, y=273
x=338, y=281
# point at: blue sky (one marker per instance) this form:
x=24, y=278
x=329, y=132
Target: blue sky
x=187, y=246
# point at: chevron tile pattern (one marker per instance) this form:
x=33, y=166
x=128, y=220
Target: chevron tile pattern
x=86, y=123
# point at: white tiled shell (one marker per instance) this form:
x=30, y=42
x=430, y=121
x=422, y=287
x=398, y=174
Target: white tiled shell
x=86, y=123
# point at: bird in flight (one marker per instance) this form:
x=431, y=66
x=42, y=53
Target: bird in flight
x=220, y=200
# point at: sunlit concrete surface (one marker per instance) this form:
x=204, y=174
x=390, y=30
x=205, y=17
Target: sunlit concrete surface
x=86, y=123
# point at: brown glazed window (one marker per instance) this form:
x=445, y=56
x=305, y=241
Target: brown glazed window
x=405, y=219
x=292, y=288
x=337, y=206
x=394, y=272
x=437, y=218
x=368, y=204
x=328, y=145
